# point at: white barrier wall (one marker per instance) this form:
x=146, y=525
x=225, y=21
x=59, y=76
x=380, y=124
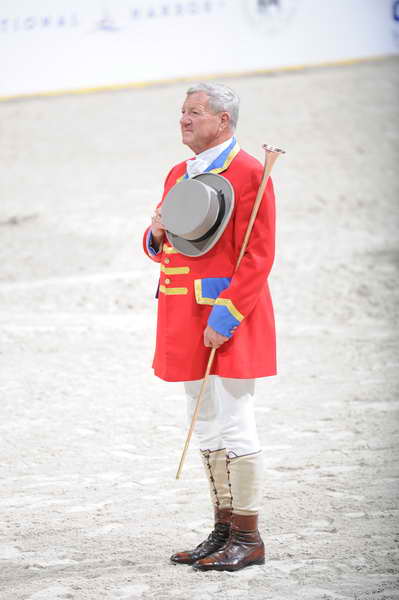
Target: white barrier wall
x=50, y=45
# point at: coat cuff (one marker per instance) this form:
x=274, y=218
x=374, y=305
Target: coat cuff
x=150, y=249
x=224, y=317
x=222, y=320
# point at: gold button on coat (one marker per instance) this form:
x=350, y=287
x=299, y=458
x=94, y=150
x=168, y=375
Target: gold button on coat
x=167, y=261
x=167, y=280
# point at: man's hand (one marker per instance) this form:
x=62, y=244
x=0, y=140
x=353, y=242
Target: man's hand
x=213, y=339
x=157, y=229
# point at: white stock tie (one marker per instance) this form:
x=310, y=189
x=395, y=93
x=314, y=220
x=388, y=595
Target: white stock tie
x=196, y=166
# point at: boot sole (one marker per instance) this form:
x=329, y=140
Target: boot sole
x=180, y=562
x=259, y=561
x=191, y=561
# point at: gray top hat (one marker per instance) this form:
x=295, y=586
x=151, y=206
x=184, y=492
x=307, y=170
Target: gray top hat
x=195, y=212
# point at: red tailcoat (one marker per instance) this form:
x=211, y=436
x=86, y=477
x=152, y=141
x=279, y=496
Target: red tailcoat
x=196, y=290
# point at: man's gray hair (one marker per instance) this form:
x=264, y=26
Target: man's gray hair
x=221, y=99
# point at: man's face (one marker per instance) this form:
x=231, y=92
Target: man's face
x=201, y=128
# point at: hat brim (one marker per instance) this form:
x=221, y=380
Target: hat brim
x=190, y=248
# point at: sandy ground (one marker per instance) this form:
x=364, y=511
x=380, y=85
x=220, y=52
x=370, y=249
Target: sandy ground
x=90, y=440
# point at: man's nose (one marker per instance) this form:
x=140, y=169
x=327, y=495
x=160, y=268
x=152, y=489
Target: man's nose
x=185, y=120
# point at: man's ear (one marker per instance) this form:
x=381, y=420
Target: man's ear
x=225, y=120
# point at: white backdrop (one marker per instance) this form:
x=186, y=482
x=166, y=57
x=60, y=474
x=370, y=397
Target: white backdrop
x=48, y=45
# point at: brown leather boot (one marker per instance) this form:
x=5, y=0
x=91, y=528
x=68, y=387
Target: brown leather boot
x=244, y=547
x=215, y=540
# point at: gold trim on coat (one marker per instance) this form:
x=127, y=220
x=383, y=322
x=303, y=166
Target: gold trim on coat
x=169, y=249
x=230, y=306
x=175, y=270
x=198, y=294
x=215, y=302
x=170, y=291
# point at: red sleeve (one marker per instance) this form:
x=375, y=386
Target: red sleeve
x=248, y=281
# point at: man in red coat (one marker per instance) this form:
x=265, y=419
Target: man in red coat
x=204, y=303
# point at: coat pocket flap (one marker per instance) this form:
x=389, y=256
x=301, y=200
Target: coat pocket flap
x=209, y=288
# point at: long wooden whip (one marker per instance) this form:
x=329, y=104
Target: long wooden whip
x=271, y=156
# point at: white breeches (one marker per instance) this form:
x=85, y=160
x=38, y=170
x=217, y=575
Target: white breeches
x=227, y=418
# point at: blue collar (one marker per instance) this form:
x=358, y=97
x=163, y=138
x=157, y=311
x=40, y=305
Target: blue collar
x=223, y=161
